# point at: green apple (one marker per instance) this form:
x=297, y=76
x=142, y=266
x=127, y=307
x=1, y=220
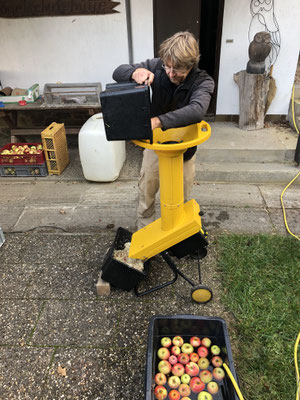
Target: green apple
x=204, y=396
x=215, y=350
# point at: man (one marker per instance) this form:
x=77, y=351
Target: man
x=181, y=95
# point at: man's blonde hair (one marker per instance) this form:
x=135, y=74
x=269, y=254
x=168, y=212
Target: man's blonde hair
x=181, y=50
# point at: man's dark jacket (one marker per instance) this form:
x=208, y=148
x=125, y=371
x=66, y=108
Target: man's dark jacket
x=175, y=105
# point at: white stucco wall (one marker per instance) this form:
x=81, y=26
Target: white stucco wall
x=234, y=56
x=142, y=29
x=65, y=49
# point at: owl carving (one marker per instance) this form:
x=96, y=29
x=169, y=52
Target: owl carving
x=258, y=51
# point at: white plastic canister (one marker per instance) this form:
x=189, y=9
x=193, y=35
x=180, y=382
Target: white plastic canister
x=101, y=159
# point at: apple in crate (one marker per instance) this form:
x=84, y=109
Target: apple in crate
x=160, y=392
x=177, y=341
x=160, y=379
x=174, y=394
x=163, y=353
x=183, y=358
x=194, y=357
x=206, y=376
x=184, y=390
x=185, y=378
x=174, y=382
x=178, y=369
x=164, y=367
x=202, y=351
x=166, y=342
x=187, y=348
x=195, y=341
x=206, y=342
x=186, y=398
x=215, y=350
x=175, y=350
x=203, y=363
x=217, y=361
x=197, y=385
x=173, y=359
x=204, y=396
x=192, y=369
x=218, y=373
x=213, y=387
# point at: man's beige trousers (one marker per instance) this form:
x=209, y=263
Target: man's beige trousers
x=149, y=186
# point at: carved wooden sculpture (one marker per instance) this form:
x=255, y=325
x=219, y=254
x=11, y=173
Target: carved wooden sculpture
x=259, y=49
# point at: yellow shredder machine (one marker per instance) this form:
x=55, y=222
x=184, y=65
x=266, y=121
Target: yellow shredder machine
x=179, y=229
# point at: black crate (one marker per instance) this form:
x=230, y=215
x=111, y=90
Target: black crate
x=126, y=111
x=117, y=273
x=188, y=326
x=32, y=170
x=191, y=245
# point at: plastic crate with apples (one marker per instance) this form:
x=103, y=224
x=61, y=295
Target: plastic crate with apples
x=185, y=355
x=22, y=153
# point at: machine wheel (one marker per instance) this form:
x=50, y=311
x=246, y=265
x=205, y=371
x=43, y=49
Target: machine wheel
x=201, y=294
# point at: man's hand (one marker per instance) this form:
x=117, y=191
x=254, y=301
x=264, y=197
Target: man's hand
x=143, y=75
x=155, y=123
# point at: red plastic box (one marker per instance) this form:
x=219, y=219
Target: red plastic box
x=21, y=159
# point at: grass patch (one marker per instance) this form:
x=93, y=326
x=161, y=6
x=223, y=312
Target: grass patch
x=260, y=277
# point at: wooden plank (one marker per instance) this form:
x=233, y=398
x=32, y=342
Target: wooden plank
x=37, y=131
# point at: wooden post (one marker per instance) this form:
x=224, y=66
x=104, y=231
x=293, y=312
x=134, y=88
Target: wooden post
x=253, y=91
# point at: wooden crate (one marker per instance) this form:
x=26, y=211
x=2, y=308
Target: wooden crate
x=55, y=148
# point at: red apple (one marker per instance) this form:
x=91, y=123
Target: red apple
x=160, y=379
x=160, y=392
x=192, y=369
x=194, y=357
x=174, y=382
x=177, y=341
x=215, y=350
x=183, y=358
x=203, y=363
x=164, y=367
x=206, y=342
x=184, y=390
x=212, y=387
x=206, y=376
x=195, y=341
x=204, y=396
x=175, y=350
x=174, y=394
x=163, y=353
x=202, y=351
x=185, y=378
x=218, y=373
x=217, y=361
x=172, y=360
x=166, y=342
x=178, y=369
x=187, y=348
x=196, y=385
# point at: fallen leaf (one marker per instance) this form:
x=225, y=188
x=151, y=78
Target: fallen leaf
x=62, y=211
x=62, y=371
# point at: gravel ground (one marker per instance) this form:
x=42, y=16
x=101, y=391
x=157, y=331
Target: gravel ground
x=59, y=340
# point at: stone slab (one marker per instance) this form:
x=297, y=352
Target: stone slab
x=17, y=320
x=23, y=371
x=293, y=221
x=272, y=194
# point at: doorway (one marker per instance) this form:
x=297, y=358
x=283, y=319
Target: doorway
x=204, y=18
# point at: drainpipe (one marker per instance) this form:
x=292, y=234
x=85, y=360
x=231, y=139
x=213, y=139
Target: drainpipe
x=129, y=31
